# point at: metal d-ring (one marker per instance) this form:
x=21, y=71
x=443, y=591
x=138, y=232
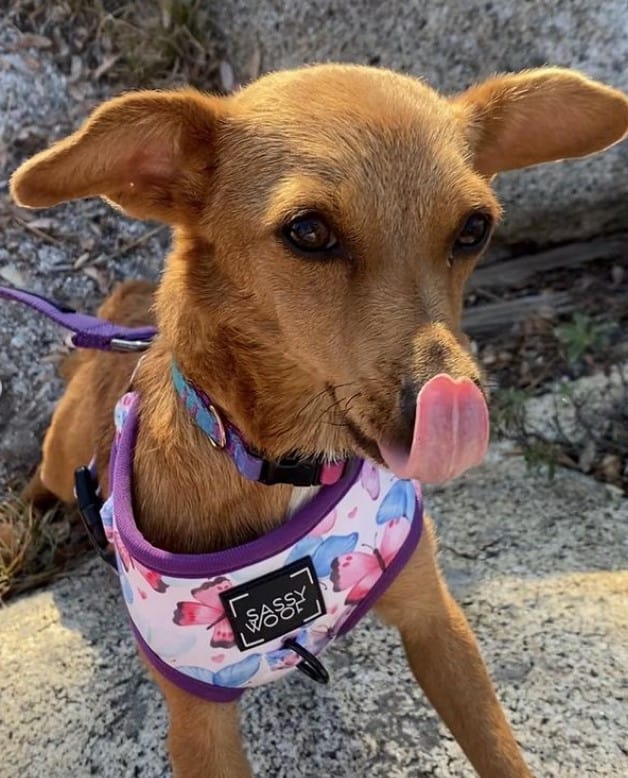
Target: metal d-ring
x=220, y=431
x=309, y=664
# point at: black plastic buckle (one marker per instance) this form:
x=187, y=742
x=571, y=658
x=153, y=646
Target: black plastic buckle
x=309, y=664
x=89, y=505
x=291, y=470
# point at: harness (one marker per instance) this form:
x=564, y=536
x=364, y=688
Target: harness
x=215, y=624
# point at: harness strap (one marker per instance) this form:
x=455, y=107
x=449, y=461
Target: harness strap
x=87, y=331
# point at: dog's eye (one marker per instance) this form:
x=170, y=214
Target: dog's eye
x=473, y=234
x=310, y=232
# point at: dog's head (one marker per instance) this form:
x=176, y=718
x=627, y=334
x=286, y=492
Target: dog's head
x=326, y=220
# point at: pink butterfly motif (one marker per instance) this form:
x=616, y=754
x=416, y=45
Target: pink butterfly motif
x=369, y=478
x=153, y=579
x=326, y=525
x=359, y=571
x=207, y=611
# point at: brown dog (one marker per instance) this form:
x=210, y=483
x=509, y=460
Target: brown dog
x=325, y=222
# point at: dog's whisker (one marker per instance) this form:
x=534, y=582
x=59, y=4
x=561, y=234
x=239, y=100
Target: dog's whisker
x=332, y=388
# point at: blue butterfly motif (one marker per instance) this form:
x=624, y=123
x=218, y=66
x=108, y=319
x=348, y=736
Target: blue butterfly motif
x=127, y=589
x=323, y=552
x=282, y=658
x=232, y=676
x=400, y=501
x=106, y=514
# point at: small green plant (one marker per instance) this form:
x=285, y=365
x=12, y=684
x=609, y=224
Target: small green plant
x=587, y=430
x=581, y=336
x=541, y=455
x=508, y=411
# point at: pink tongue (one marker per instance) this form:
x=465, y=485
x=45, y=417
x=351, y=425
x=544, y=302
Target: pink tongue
x=450, y=432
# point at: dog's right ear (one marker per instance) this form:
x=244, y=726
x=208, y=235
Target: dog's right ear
x=150, y=153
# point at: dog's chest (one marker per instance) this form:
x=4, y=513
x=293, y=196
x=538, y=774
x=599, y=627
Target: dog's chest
x=300, y=496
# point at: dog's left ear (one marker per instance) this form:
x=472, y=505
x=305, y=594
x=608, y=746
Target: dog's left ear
x=150, y=153
x=542, y=115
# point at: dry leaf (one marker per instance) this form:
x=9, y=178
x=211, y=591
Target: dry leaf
x=76, y=68
x=101, y=279
x=82, y=260
x=43, y=223
x=610, y=467
x=32, y=41
x=587, y=457
x=13, y=276
x=254, y=65
x=105, y=66
x=33, y=64
x=227, y=77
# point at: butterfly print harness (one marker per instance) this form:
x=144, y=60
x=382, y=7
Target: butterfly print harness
x=215, y=624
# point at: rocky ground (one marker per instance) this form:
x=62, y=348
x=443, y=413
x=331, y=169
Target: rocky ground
x=539, y=568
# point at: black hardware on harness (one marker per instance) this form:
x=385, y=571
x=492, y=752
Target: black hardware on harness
x=291, y=470
x=89, y=505
x=309, y=664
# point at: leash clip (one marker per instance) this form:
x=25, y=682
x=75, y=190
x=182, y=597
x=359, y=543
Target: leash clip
x=119, y=344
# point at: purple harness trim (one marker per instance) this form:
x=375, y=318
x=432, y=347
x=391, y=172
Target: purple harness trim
x=219, y=562
x=89, y=331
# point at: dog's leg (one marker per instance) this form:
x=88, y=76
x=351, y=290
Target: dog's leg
x=204, y=737
x=446, y=662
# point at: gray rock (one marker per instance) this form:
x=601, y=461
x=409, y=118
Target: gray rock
x=36, y=107
x=452, y=45
x=539, y=567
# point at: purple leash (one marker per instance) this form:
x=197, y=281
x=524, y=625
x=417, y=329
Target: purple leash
x=87, y=331
x=94, y=333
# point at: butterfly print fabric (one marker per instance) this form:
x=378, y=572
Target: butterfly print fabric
x=357, y=534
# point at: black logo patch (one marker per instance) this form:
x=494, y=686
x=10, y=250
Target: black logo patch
x=273, y=605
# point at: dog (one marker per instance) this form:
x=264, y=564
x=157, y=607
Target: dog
x=325, y=221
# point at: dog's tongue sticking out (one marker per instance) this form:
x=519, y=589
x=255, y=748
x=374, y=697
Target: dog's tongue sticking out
x=450, y=432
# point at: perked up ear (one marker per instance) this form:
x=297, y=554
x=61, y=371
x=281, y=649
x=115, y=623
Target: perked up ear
x=150, y=153
x=539, y=116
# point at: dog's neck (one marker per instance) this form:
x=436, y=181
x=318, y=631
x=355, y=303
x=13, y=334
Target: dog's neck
x=188, y=495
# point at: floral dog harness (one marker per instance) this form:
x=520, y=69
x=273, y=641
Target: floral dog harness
x=214, y=624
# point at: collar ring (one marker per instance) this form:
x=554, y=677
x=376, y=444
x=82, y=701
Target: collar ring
x=218, y=438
